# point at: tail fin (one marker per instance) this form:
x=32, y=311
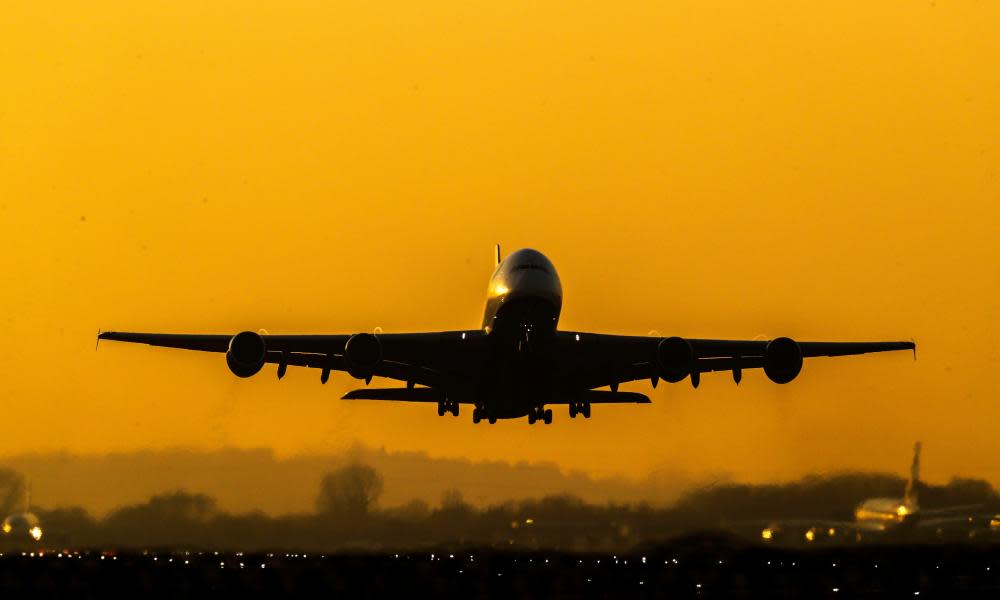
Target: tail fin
x=496, y=257
x=910, y=496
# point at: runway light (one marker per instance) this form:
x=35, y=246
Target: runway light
x=902, y=511
x=810, y=535
x=6, y=527
x=767, y=533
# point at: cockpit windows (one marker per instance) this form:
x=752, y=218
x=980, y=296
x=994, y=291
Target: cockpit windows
x=531, y=266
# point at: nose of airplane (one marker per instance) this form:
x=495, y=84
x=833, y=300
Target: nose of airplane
x=530, y=283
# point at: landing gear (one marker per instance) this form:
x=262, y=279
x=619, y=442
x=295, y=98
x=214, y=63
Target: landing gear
x=579, y=408
x=540, y=414
x=448, y=406
x=478, y=414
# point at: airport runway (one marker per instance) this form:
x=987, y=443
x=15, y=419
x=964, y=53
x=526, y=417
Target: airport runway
x=692, y=569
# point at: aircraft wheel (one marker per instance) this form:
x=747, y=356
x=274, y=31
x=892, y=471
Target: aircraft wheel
x=476, y=416
x=454, y=409
x=586, y=410
x=572, y=410
x=531, y=417
x=548, y=416
x=440, y=409
x=493, y=420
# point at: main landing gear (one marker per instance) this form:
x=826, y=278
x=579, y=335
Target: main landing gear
x=579, y=408
x=448, y=406
x=478, y=414
x=540, y=414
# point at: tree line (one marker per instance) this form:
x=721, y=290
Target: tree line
x=348, y=516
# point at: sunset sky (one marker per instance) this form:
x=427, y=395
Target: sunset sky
x=827, y=171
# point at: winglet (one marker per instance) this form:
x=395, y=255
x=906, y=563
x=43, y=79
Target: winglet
x=496, y=257
x=97, y=344
x=914, y=342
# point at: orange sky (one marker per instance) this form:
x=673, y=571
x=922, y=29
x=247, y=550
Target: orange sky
x=821, y=170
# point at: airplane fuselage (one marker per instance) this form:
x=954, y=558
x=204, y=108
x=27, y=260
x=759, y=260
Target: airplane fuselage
x=523, y=303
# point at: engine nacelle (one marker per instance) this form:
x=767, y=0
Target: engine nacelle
x=782, y=360
x=246, y=354
x=675, y=358
x=363, y=352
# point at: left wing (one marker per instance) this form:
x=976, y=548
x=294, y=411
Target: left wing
x=591, y=360
x=442, y=360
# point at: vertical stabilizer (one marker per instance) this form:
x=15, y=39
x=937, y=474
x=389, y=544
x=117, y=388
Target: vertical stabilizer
x=910, y=496
x=496, y=257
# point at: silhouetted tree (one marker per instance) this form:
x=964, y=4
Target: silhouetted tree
x=414, y=510
x=452, y=499
x=352, y=490
x=175, y=517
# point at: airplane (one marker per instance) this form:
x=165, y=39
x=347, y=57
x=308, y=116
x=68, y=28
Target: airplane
x=517, y=362
x=879, y=514
x=24, y=524
x=888, y=515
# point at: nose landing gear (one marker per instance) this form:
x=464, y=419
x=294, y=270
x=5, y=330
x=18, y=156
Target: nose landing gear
x=579, y=408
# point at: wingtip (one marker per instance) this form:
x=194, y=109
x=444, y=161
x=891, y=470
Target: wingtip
x=913, y=346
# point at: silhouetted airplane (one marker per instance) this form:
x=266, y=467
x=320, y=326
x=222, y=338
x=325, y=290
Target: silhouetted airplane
x=518, y=361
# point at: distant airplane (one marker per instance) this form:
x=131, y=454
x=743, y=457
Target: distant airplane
x=879, y=514
x=885, y=515
x=24, y=524
x=517, y=362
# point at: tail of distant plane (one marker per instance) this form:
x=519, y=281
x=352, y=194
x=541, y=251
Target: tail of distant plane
x=910, y=496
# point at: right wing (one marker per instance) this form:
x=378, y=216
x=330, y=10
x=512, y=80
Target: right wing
x=592, y=360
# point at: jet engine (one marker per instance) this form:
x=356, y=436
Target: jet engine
x=246, y=354
x=782, y=360
x=675, y=358
x=363, y=352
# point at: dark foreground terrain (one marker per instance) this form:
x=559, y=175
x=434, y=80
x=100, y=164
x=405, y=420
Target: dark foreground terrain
x=697, y=566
